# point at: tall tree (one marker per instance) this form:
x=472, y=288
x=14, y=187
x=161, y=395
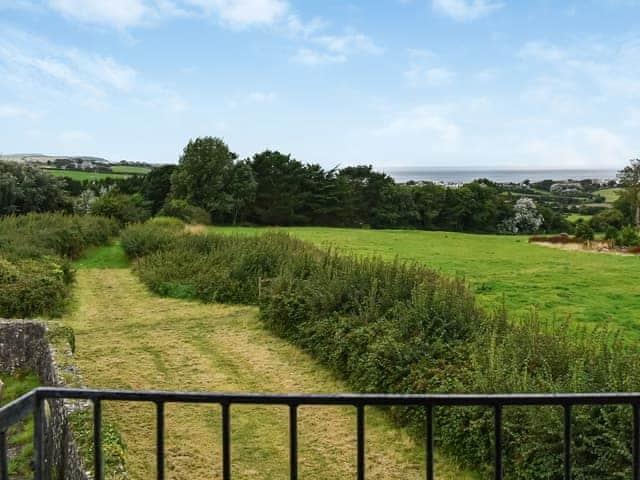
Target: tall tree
x=630, y=179
x=157, y=186
x=242, y=188
x=203, y=175
x=24, y=189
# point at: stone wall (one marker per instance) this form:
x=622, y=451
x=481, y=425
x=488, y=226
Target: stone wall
x=24, y=345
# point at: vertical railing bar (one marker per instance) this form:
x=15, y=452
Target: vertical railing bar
x=38, y=437
x=567, y=442
x=498, y=441
x=635, y=447
x=360, y=441
x=160, y=440
x=97, y=439
x=429, y=441
x=226, y=442
x=293, y=441
x=4, y=460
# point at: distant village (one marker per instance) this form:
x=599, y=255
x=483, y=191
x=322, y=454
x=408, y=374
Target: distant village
x=81, y=163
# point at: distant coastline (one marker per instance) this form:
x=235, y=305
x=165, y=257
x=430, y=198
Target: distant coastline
x=458, y=176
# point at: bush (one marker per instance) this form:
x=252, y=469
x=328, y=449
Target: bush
x=30, y=288
x=402, y=328
x=584, y=232
x=24, y=189
x=123, y=208
x=629, y=236
x=140, y=240
x=35, y=254
x=185, y=212
x=612, y=235
x=607, y=218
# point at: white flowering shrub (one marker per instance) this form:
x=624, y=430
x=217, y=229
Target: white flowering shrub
x=526, y=218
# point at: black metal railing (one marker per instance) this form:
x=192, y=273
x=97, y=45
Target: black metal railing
x=34, y=403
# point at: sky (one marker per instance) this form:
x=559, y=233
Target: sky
x=518, y=84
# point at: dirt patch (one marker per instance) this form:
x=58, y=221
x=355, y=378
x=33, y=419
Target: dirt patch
x=593, y=247
x=195, y=228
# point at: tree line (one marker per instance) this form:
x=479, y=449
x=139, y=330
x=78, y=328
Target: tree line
x=272, y=188
x=211, y=183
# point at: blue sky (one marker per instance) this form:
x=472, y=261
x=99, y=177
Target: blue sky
x=393, y=83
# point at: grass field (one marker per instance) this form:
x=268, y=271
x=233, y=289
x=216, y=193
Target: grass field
x=610, y=194
x=585, y=287
x=80, y=176
x=133, y=170
x=128, y=338
x=574, y=217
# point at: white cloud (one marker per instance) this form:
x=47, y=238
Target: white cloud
x=15, y=111
x=418, y=76
x=313, y=58
x=299, y=28
x=610, y=67
x=348, y=44
x=31, y=67
x=576, y=148
x=123, y=14
x=633, y=117
x=115, y=13
x=245, y=13
x=467, y=10
x=487, y=75
x=251, y=98
x=327, y=49
x=429, y=124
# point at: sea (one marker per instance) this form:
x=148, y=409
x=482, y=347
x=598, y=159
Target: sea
x=462, y=175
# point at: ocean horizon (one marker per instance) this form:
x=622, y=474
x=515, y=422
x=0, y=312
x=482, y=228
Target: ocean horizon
x=463, y=175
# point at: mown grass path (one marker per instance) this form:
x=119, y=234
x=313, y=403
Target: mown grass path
x=128, y=338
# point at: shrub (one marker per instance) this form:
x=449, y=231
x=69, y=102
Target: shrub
x=139, y=240
x=35, y=249
x=185, y=212
x=402, y=328
x=612, y=235
x=30, y=288
x=24, y=189
x=610, y=217
x=123, y=208
x=584, y=232
x=629, y=236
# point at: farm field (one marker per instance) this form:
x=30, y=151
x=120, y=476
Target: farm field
x=574, y=217
x=610, y=194
x=80, y=176
x=133, y=170
x=122, y=330
x=589, y=288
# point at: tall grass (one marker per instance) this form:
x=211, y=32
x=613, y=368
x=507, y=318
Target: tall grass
x=403, y=328
x=35, y=254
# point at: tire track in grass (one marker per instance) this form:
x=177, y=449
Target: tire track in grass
x=128, y=338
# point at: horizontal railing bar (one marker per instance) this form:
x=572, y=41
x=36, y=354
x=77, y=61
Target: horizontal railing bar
x=345, y=399
x=17, y=410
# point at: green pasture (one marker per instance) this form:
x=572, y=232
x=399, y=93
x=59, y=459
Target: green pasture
x=610, y=194
x=132, y=170
x=587, y=287
x=80, y=175
x=575, y=217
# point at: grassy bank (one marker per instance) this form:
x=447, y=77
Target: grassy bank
x=128, y=338
x=588, y=288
